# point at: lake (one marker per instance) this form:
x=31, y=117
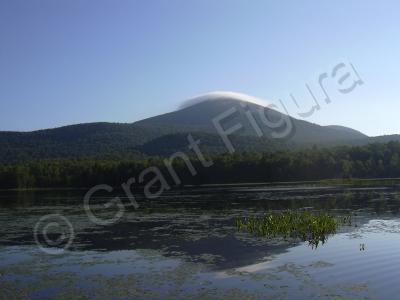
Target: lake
x=185, y=245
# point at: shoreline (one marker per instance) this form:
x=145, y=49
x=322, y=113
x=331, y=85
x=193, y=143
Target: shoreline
x=332, y=181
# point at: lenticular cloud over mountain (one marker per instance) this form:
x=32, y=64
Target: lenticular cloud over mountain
x=221, y=95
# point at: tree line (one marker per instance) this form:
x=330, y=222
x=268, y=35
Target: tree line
x=369, y=161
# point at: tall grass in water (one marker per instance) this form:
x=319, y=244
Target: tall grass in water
x=308, y=226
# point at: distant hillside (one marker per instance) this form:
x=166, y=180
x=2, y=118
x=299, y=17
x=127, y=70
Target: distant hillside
x=167, y=133
x=386, y=138
x=93, y=140
x=210, y=143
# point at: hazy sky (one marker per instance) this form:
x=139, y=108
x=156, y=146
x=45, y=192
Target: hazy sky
x=65, y=62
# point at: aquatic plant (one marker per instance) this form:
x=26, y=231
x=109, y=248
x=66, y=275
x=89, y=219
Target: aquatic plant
x=305, y=225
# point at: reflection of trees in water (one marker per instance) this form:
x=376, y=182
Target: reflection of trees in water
x=197, y=222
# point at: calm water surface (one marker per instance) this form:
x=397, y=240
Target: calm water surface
x=184, y=245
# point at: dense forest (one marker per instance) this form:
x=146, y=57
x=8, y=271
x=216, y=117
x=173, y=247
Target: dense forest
x=103, y=141
x=370, y=161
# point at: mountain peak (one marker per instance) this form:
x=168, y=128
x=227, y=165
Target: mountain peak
x=222, y=95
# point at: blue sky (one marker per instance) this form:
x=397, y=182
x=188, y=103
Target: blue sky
x=66, y=62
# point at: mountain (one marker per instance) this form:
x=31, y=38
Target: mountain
x=199, y=117
x=262, y=129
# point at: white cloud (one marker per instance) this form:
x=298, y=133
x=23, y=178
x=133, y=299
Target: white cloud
x=218, y=95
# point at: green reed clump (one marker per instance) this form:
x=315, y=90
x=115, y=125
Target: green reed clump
x=308, y=226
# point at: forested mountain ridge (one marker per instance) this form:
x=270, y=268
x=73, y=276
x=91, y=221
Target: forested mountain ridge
x=91, y=140
x=168, y=144
x=165, y=134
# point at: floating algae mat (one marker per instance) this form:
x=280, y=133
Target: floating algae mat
x=307, y=226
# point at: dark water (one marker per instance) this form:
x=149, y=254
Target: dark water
x=184, y=245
